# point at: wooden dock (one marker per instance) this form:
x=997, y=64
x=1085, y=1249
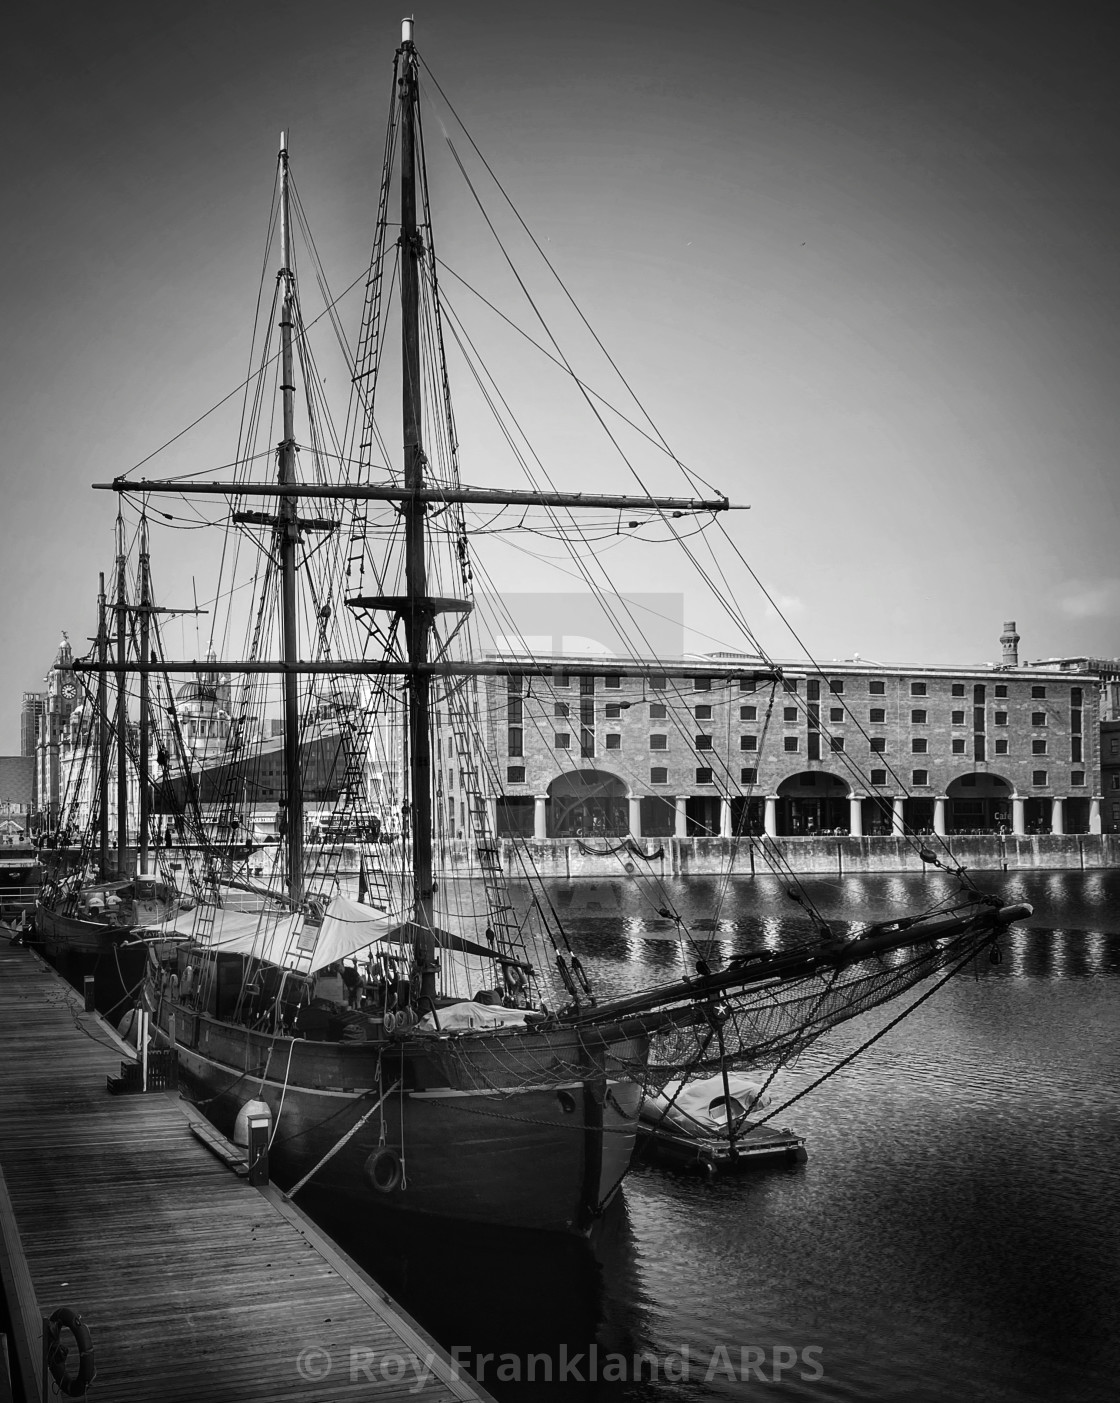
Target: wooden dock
x=195, y=1286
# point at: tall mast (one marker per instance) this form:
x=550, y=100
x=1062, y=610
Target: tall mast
x=102, y=734
x=288, y=534
x=122, y=704
x=145, y=693
x=417, y=615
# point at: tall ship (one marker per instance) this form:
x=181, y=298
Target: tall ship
x=389, y=981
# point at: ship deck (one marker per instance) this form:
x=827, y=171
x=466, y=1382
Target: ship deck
x=194, y=1285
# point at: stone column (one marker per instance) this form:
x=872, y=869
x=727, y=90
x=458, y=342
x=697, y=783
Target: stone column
x=540, y=816
x=898, y=821
x=771, y=819
x=939, y=802
x=724, y=817
x=1019, y=815
x=855, y=815
x=1057, y=814
x=1095, y=815
x=680, y=829
x=635, y=816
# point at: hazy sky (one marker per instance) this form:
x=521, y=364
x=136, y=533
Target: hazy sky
x=859, y=259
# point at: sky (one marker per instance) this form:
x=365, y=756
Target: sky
x=856, y=257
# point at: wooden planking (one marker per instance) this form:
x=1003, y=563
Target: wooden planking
x=195, y=1286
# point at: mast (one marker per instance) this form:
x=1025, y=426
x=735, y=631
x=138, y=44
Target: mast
x=145, y=694
x=287, y=532
x=122, y=704
x=417, y=615
x=102, y=733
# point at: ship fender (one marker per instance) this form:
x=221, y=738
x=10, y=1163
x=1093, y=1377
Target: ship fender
x=384, y=1169
x=241, y=1125
x=76, y=1385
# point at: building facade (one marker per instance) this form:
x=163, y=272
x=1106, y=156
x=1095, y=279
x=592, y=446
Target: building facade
x=853, y=748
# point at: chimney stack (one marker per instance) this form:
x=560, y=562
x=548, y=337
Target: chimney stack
x=1010, y=640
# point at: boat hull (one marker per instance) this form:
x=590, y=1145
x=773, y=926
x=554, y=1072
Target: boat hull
x=469, y=1138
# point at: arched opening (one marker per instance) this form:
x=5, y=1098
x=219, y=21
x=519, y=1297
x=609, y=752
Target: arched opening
x=979, y=803
x=812, y=802
x=587, y=804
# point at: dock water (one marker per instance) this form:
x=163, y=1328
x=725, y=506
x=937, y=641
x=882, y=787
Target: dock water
x=194, y=1285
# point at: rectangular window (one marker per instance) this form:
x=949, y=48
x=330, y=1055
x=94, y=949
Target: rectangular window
x=586, y=743
x=1038, y=747
x=919, y=777
x=747, y=775
x=919, y=745
x=659, y=742
x=702, y=713
x=1075, y=722
x=659, y=775
x=587, y=686
x=561, y=679
x=878, y=776
x=703, y=742
x=812, y=690
x=559, y=708
x=516, y=746
x=958, y=745
x=703, y=775
x=979, y=748
x=789, y=684
x=978, y=715
x=1000, y=718
x=789, y=713
x=747, y=684
x=958, y=718
x=701, y=684
x=836, y=686
x=1038, y=718
x=836, y=713
x=1001, y=747
x=748, y=742
x=515, y=774
x=1038, y=693
x=748, y=713
x=657, y=684
x=836, y=742
x=1075, y=749
x=613, y=711
x=515, y=717
x=1116, y=781
x=1114, y=745
x=814, y=743
x=979, y=694
x=587, y=711
x=958, y=689
x=513, y=682
x=561, y=740
x=814, y=717
x=877, y=715
x=1077, y=778
x=657, y=711
x=1075, y=696
x=1038, y=777
x=614, y=740
x=612, y=681
x=877, y=689
x=790, y=743
x=878, y=744
x=919, y=718
x=917, y=689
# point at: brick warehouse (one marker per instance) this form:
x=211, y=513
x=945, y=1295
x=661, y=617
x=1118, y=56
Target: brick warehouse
x=854, y=747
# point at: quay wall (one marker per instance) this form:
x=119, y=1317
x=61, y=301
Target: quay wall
x=836, y=855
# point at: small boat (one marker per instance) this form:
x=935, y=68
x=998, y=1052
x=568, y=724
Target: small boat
x=706, y=1125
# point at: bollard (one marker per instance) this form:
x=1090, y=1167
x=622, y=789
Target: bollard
x=258, y=1149
x=87, y=990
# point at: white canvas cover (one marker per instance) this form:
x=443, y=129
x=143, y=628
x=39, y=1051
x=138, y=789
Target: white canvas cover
x=348, y=926
x=267, y=936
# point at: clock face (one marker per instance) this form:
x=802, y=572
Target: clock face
x=69, y=691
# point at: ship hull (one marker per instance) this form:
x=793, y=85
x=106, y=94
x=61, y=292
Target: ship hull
x=467, y=1138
